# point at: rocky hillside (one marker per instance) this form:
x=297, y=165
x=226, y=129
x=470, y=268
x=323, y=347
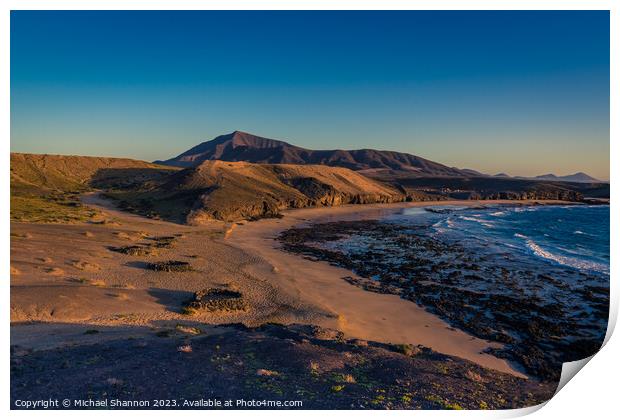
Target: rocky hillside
x=489, y=188
x=240, y=190
x=240, y=146
x=46, y=188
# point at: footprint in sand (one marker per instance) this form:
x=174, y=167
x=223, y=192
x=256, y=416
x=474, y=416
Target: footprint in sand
x=122, y=235
x=119, y=296
x=131, y=236
x=84, y=265
x=85, y=281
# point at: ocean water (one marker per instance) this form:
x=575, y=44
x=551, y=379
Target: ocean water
x=569, y=236
x=534, y=278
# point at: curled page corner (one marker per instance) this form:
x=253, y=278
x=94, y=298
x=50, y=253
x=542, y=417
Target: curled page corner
x=613, y=316
x=569, y=370
x=520, y=412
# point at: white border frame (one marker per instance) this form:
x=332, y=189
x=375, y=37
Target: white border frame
x=592, y=394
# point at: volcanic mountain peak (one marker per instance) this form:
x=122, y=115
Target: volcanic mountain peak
x=230, y=147
x=241, y=146
x=241, y=138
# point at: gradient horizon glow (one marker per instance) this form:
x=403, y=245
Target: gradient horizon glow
x=522, y=92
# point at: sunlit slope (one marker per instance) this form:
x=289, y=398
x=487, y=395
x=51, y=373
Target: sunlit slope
x=45, y=188
x=240, y=190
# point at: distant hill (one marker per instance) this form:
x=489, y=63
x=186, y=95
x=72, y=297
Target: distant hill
x=240, y=146
x=578, y=177
x=240, y=190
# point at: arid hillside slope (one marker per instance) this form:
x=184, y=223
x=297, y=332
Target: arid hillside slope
x=45, y=188
x=64, y=173
x=232, y=191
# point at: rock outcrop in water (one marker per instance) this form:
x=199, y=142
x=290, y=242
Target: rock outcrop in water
x=498, y=297
x=550, y=194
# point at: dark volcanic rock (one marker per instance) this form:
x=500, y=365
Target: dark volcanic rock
x=317, y=367
x=216, y=300
x=493, y=299
x=134, y=250
x=170, y=266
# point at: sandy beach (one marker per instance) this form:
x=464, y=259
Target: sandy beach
x=362, y=314
x=73, y=294
x=68, y=280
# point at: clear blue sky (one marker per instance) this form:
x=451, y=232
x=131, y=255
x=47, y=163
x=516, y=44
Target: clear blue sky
x=518, y=92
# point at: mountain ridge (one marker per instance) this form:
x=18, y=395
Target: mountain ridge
x=241, y=146
x=576, y=177
x=580, y=177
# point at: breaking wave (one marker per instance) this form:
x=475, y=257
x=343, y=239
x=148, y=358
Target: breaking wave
x=564, y=260
x=483, y=222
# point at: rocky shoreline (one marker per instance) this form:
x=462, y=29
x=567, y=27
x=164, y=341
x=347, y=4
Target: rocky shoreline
x=469, y=290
